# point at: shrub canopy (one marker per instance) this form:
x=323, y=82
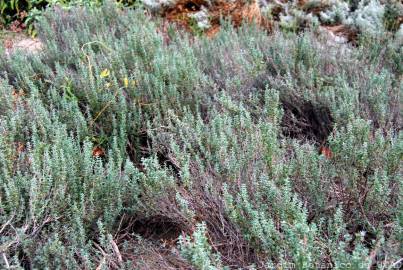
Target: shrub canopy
x=128, y=144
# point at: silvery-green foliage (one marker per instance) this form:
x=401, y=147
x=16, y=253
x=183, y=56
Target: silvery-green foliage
x=195, y=130
x=368, y=17
x=399, y=37
x=336, y=13
x=197, y=250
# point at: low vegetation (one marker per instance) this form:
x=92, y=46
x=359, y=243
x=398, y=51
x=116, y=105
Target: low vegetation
x=129, y=144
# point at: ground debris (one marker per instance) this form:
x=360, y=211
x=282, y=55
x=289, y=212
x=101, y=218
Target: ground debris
x=185, y=14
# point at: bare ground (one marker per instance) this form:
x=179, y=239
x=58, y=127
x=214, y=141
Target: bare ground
x=12, y=42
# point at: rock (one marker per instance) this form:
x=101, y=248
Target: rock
x=21, y=43
x=158, y=5
x=202, y=18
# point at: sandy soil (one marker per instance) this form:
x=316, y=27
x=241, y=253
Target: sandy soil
x=14, y=42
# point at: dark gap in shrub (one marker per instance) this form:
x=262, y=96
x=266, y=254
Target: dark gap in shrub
x=24, y=259
x=225, y=237
x=192, y=6
x=157, y=228
x=369, y=237
x=140, y=146
x=167, y=162
x=150, y=252
x=303, y=120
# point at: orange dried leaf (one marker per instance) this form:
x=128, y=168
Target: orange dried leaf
x=20, y=147
x=98, y=152
x=17, y=94
x=326, y=152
